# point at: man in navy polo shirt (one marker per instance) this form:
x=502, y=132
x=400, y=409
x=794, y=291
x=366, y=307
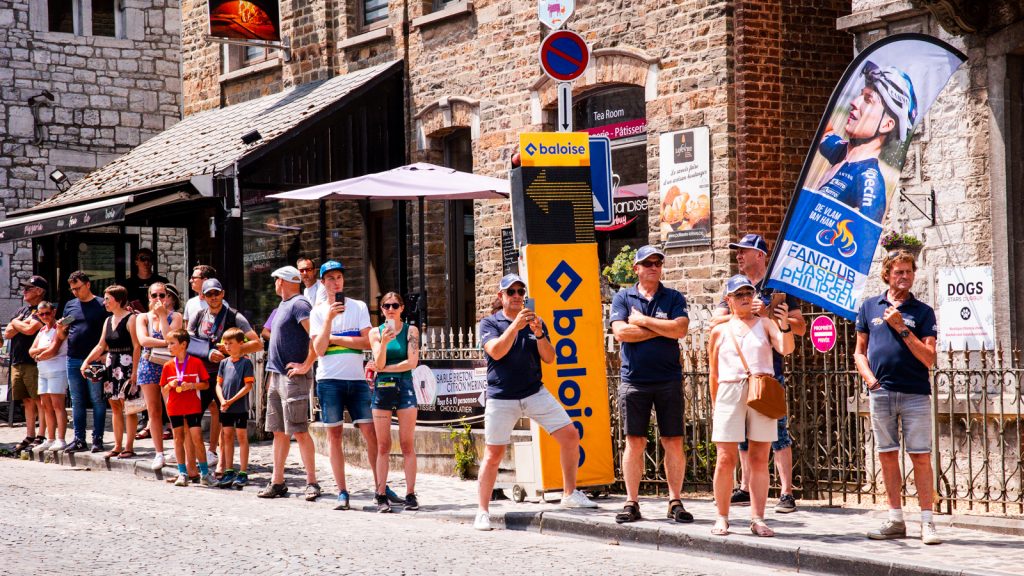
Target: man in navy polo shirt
x=752, y=261
x=516, y=341
x=648, y=320
x=895, y=350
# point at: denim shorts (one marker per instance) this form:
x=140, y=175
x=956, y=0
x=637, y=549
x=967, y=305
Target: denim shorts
x=338, y=395
x=53, y=382
x=888, y=408
x=393, y=392
x=500, y=416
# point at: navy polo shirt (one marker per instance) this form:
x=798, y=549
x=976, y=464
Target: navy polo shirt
x=517, y=374
x=765, y=294
x=657, y=359
x=895, y=367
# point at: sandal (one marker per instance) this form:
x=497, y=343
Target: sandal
x=721, y=527
x=759, y=528
x=143, y=435
x=630, y=513
x=114, y=453
x=24, y=444
x=126, y=454
x=677, y=512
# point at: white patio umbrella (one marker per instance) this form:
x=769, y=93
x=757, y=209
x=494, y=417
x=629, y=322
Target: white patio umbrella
x=420, y=181
x=415, y=181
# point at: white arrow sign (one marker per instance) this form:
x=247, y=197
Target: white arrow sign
x=565, y=107
x=554, y=13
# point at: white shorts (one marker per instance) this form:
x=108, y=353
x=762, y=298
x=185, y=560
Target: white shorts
x=500, y=416
x=734, y=421
x=53, y=382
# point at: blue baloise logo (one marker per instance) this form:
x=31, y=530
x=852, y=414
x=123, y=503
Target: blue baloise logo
x=842, y=236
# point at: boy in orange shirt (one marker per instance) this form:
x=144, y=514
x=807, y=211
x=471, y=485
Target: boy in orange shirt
x=181, y=379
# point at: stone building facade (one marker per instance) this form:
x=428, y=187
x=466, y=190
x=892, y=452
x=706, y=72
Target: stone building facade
x=80, y=84
x=968, y=149
x=758, y=74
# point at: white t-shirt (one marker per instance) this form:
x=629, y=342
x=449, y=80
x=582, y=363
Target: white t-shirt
x=58, y=363
x=312, y=292
x=340, y=363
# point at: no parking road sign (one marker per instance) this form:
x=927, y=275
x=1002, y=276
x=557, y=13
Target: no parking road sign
x=564, y=55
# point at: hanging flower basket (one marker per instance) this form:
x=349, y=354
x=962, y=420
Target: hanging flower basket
x=892, y=241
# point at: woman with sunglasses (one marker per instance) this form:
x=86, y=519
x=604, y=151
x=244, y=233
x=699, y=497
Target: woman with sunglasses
x=50, y=351
x=150, y=328
x=396, y=352
x=121, y=345
x=740, y=347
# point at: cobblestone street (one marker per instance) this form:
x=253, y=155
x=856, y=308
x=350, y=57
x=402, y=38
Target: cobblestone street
x=118, y=524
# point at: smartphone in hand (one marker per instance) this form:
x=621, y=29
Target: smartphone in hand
x=531, y=304
x=339, y=297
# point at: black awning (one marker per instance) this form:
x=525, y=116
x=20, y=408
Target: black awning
x=89, y=215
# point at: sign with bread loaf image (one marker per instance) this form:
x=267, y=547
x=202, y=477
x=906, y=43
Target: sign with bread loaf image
x=685, y=188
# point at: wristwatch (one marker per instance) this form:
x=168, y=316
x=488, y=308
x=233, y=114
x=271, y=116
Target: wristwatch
x=904, y=333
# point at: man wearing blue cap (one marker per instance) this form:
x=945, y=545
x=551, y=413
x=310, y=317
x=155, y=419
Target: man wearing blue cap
x=751, y=258
x=206, y=329
x=648, y=319
x=340, y=328
x=516, y=341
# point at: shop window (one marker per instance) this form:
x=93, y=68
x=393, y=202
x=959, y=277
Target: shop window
x=240, y=57
x=620, y=113
x=373, y=11
x=62, y=16
x=460, y=237
x=104, y=18
x=442, y=4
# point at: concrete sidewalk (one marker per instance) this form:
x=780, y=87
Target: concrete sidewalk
x=813, y=539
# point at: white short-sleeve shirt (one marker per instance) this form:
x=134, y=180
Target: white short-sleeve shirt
x=339, y=362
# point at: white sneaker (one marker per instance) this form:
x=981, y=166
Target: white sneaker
x=182, y=480
x=44, y=446
x=928, y=533
x=483, y=521
x=208, y=480
x=58, y=445
x=211, y=458
x=577, y=500
x=158, y=461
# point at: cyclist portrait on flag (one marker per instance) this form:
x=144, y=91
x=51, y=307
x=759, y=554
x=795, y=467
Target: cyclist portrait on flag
x=883, y=112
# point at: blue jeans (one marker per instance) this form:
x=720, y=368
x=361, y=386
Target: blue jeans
x=81, y=388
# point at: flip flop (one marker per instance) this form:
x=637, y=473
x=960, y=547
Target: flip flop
x=719, y=530
x=114, y=453
x=126, y=454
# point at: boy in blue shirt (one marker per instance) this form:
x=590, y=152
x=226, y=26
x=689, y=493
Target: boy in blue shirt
x=235, y=378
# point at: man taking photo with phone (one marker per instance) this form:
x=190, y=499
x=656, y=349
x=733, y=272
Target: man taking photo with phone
x=340, y=329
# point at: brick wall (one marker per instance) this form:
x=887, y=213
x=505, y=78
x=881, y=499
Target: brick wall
x=110, y=94
x=758, y=74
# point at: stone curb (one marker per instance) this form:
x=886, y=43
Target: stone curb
x=142, y=466
x=761, y=551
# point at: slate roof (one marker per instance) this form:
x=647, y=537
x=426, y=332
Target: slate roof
x=211, y=140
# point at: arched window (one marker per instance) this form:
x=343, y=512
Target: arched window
x=619, y=112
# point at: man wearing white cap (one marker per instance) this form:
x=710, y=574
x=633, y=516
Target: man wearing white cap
x=289, y=360
x=516, y=342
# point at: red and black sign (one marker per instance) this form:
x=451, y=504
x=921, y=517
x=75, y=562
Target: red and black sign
x=245, y=19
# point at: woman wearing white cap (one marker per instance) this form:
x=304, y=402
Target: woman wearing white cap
x=740, y=347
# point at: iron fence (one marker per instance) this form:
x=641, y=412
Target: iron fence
x=978, y=431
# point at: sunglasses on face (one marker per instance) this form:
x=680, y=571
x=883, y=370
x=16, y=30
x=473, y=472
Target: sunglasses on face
x=391, y=306
x=743, y=294
x=516, y=291
x=44, y=314
x=158, y=295
x=143, y=259
x=213, y=293
x=305, y=270
x=654, y=263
